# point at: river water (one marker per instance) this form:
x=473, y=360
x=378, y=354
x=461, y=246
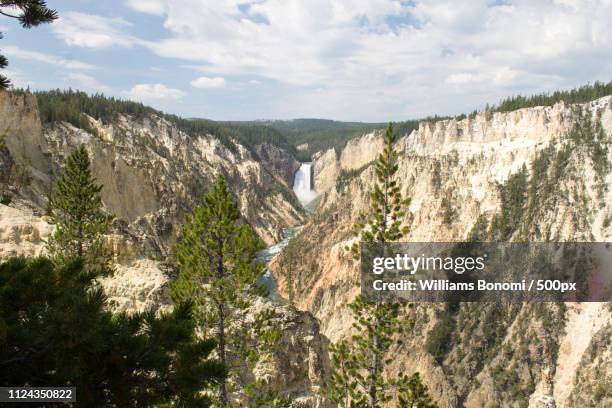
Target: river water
x=266, y=255
x=302, y=186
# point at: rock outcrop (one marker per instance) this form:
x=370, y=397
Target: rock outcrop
x=358, y=152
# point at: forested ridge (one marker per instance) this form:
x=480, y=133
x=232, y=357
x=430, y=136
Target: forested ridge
x=74, y=106
x=312, y=135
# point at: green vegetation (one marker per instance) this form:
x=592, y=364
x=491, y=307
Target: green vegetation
x=289, y=257
x=513, y=197
x=75, y=208
x=527, y=194
x=56, y=328
x=439, y=338
x=413, y=393
x=74, y=107
x=359, y=367
x=218, y=271
x=436, y=176
x=581, y=94
x=56, y=331
x=448, y=212
x=346, y=176
x=320, y=134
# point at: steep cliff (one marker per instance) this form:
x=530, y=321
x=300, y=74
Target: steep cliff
x=328, y=165
x=458, y=174
x=152, y=171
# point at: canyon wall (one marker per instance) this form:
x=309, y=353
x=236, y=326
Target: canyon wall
x=455, y=172
x=358, y=152
x=153, y=173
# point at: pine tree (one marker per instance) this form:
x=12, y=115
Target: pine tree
x=56, y=330
x=359, y=378
x=413, y=393
x=75, y=207
x=217, y=259
x=29, y=13
x=343, y=384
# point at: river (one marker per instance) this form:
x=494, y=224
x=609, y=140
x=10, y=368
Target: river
x=303, y=188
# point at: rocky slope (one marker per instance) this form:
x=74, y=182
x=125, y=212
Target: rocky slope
x=459, y=175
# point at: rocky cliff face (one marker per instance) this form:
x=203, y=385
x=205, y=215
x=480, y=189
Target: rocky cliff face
x=152, y=172
x=358, y=152
x=456, y=173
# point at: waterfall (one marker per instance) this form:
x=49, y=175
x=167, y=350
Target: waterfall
x=302, y=184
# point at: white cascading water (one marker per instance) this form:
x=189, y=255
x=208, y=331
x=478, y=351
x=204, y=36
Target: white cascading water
x=302, y=184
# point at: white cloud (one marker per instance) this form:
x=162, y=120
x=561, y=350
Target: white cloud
x=147, y=6
x=400, y=55
x=91, y=31
x=17, y=52
x=88, y=82
x=154, y=92
x=208, y=83
x=463, y=78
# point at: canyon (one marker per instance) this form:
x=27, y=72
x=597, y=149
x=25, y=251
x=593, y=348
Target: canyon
x=454, y=170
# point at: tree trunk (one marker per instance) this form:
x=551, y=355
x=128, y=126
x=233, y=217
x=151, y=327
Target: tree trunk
x=375, y=367
x=223, y=400
x=222, y=358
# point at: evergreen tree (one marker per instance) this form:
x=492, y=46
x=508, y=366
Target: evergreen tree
x=217, y=259
x=413, y=393
x=56, y=330
x=75, y=207
x=359, y=378
x=343, y=387
x=29, y=13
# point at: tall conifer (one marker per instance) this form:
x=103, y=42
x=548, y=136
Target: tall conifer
x=359, y=377
x=217, y=258
x=75, y=207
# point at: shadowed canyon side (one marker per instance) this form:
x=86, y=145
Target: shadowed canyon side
x=459, y=174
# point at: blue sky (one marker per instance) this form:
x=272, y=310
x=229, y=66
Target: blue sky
x=365, y=60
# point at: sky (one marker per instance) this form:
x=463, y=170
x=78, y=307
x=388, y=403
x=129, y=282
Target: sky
x=358, y=60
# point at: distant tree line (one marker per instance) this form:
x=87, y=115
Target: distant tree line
x=74, y=106
x=581, y=94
